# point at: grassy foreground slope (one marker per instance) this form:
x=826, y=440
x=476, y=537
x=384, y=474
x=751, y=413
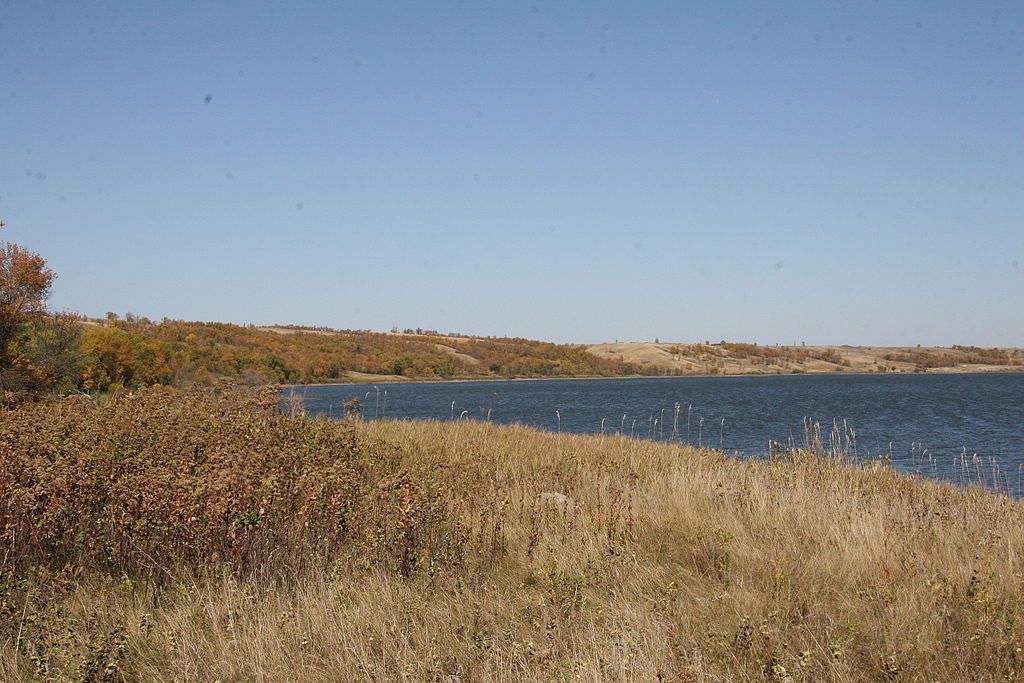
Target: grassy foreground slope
x=169, y=536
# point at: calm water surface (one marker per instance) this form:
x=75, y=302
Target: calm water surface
x=925, y=422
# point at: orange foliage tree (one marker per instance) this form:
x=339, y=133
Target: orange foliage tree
x=25, y=283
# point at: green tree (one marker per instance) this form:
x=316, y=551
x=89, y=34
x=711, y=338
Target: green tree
x=51, y=347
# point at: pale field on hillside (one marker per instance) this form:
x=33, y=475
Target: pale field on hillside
x=712, y=359
x=703, y=359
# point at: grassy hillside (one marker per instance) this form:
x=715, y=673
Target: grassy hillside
x=138, y=352
x=751, y=359
x=167, y=536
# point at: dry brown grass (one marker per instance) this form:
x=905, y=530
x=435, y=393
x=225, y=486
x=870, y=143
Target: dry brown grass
x=661, y=563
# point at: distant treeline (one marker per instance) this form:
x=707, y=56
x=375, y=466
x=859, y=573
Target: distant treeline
x=70, y=352
x=41, y=351
x=968, y=354
x=134, y=351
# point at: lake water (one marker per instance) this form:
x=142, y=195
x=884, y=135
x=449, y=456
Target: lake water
x=932, y=424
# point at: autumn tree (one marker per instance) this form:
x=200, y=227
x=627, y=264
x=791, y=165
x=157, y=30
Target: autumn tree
x=49, y=349
x=25, y=283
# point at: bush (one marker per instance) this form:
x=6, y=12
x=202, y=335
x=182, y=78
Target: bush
x=160, y=481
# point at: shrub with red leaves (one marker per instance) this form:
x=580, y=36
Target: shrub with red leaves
x=160, y=481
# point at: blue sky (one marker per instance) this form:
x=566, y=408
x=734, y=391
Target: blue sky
x=770, y=172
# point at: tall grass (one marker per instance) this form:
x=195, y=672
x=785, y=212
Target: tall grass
x=188, y=536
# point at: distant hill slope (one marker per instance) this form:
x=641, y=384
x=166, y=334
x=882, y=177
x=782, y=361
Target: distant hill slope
x=136, y=352
x=747, y=359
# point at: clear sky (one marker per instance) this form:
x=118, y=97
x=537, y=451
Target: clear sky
x=763, y=171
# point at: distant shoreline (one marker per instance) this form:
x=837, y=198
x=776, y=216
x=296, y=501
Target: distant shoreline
x=463, y=380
